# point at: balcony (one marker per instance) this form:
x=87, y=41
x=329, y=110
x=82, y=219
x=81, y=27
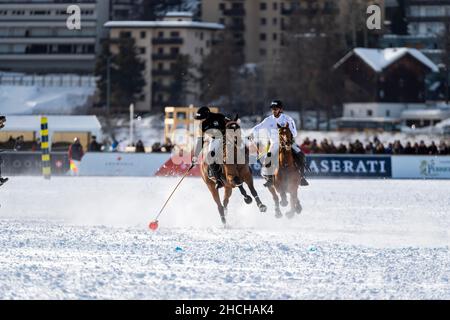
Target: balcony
x=165, y=56
x=237, y=27
x=175, y=40
x=235, y=12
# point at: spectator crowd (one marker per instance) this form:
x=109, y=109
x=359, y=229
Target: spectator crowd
x=375, y=147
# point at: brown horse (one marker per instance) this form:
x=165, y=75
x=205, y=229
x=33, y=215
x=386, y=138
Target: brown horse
x=287, y=177
x=235, y=174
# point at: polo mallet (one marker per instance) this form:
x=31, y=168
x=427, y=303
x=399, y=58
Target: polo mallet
x=155, y=223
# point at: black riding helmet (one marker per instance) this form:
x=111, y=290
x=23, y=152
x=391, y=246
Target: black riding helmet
x=202, y=113
x=276, y=104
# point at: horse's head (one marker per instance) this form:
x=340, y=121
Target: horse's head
x=285, y=136
x=232, y=148
x=233, y=124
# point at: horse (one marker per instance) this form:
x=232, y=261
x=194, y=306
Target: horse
x=287, y=177
x=234, y=174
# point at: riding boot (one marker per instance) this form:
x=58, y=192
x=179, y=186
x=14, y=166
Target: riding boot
x=300, y=161
x=215, y=172
x=269, y=181
x=3, y=180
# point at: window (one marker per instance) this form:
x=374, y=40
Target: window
x=275, y=37
x=369, y=113
x=160, y=66
x=275, y=6
x=262, y=52
x=263, y=6
x=161, y=34
x=201, y=51
x=262, y=37
x=161, y=50
x=143, y=34
x=352, y=113
x=174, y=34
x=174, y=50
x=125, y=34
x=388, y=113
x=201, y=36
x=222, y=6
x=274, y=21
x=263, y=21
x=142, y=50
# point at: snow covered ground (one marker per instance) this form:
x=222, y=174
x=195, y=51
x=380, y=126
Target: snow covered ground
x=87, y=238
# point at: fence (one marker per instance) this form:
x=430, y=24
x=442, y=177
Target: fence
x=156, y=164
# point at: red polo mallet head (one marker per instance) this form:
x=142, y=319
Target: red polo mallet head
x=153, y=225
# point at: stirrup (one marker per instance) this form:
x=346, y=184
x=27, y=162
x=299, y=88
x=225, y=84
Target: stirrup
x=219, y=184
x=304, y=182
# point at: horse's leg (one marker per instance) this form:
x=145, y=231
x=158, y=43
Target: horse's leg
x=216, y=197
x=227, y=196
x=261, y=206
x=273, y=191
x=293, y=189
x=247, y=198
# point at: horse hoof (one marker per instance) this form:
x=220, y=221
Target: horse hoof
x=224, y=221
x=278, y=214
x=290, y=214
x=248, y=200
x=262, y=208
x=299, y=209
x=284, y=203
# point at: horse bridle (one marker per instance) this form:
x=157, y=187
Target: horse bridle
x=285, y=142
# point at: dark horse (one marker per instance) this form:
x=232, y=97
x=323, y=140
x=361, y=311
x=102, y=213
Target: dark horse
x=287, y=176
x=234, y=174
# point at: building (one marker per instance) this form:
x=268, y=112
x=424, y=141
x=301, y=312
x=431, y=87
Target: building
x=34, y=37
x=258, y=26
x=125, y=10
x=427, y=17
x=160, y=43
x=381, y=84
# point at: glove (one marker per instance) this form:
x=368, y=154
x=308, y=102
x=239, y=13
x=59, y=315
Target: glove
x=251, y=137
x=194, y=160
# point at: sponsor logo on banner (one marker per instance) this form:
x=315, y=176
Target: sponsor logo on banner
x=425, y=167
x=433, y=169
x=350, y=166
x=343, y=166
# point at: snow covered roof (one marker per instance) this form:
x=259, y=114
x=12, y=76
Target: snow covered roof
x=437, y=114
x=164, y=24
x=379, y=59
x=179, y=14
x=55, y=123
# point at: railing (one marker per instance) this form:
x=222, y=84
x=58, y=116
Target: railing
x=164, y=56
x=167, y=41
x=48, y=80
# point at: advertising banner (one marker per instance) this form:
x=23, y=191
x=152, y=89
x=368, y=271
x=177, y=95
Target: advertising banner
x=350, y=166
x=30, y=163
x=122, y=164
x=343, y=166
x=421, y=167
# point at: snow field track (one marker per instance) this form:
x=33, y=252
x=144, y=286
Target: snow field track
x=87, y=238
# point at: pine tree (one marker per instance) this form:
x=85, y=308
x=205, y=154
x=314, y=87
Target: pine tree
x=183, y=80
x=127, y=80
x=101, y=72
x=219, y=71
x=399, y=23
